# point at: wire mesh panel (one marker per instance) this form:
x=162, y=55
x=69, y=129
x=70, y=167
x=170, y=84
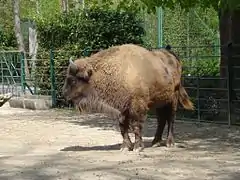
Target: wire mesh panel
x=10, y=65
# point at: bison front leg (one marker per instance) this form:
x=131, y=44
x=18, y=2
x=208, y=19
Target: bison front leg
x=137, y=129
x=127, y=145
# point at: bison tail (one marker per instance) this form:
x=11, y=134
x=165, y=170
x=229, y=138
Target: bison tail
x=184, y=99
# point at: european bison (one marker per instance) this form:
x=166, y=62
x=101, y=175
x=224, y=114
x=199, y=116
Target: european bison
x=125, y=82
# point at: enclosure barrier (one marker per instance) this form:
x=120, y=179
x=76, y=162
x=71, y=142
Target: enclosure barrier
x=210, y=79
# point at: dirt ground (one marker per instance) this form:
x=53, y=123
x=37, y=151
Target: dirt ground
x=56, y=144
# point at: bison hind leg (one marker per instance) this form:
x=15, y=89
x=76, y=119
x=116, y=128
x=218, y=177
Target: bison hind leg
x=170, y=120
x=165, y=114
x=137, y=125
x=138, y=114
x=127, y=145
x=161, y=122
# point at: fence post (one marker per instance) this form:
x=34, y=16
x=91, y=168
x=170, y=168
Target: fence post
x=23, y=75
x=52, y=74
x=198, y=99
x=229, y=81
x=2, y=72
x=159, y=11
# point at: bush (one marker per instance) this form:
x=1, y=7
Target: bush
x=200, y=68
x=95, y=28
x=80, y=34
x=7, y=40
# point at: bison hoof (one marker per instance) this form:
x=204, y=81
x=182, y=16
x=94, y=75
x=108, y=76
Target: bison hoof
x=138, y=147
x=138, y=150
x=157, y=142
x=126, y=146
x=170, y=142
x=124, y=149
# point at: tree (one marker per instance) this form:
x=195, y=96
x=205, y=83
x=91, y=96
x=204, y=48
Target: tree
x=64, y=5
x=18, y=33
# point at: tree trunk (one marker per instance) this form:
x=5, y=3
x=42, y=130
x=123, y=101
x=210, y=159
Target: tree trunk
x=64, y=5
x=225, y=24
x=33, y=47
x=229, y=24
x=18, y=33
x=235, y=34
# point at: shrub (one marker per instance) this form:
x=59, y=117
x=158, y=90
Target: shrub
x=7, y=40
x=95, y=28
x=200, y=68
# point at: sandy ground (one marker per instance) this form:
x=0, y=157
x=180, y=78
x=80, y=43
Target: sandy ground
x=51, y=145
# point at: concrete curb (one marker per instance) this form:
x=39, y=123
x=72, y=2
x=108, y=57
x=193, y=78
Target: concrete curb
x=32, y=102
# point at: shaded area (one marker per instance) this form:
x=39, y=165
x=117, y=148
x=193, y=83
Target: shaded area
x=53, y=145
x=92, y=148
x=98, y=166
x=116, y=147
x=187, y=134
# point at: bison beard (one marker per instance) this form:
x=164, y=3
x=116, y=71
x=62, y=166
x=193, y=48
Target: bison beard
x=91, y=103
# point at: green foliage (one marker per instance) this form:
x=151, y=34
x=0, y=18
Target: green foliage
x=189, y=4
x=39, y=9
x=7, y=36
x=95, y=28
x=7, y=40
x=134, y=6
x=201, y=68
x=6, y=15
x=194, y=28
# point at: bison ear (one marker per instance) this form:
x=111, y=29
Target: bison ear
x=73, y=69
x=87, y=75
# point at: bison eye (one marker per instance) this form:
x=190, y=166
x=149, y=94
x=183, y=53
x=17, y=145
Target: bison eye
x=71, y=81
x=74, y=81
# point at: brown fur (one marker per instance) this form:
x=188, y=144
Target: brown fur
x=168, y=112
x=174, y=63
x=125, y=82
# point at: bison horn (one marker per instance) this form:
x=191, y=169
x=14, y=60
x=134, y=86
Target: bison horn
x=73, y=66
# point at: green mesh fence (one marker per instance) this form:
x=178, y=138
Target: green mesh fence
x=10, y=72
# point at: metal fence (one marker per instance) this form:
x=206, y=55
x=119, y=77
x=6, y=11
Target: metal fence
x=212, y=86
x=10, y=64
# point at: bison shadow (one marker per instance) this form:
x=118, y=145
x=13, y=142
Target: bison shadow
x=113, y=147
x=214, y=137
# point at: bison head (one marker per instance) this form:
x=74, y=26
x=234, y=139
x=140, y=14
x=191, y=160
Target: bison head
x=78, y=88
x=76, y=81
